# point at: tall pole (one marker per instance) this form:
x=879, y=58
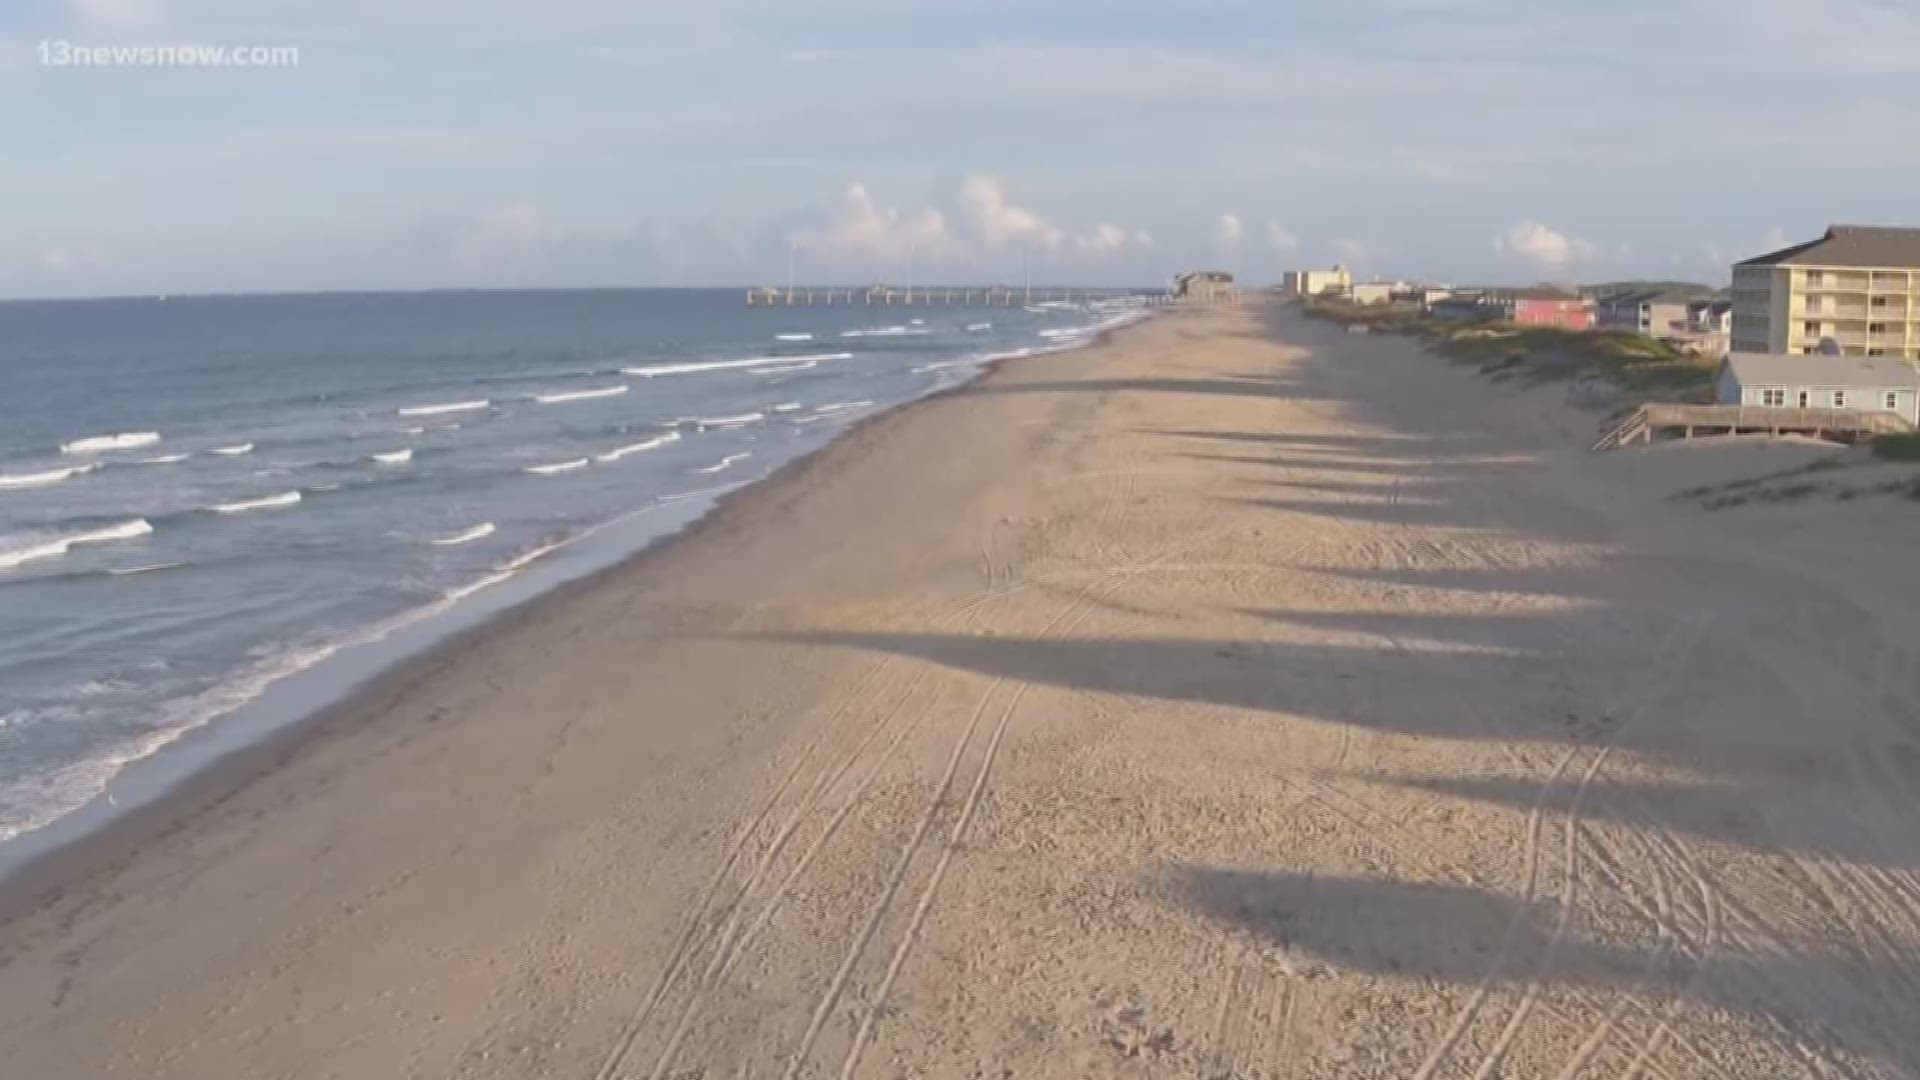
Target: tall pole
x=911, y=246
x=791, y=245
x=1029, y=300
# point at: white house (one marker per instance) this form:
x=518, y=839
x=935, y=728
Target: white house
x=1782, y=381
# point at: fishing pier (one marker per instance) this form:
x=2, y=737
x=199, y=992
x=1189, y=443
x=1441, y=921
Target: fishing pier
x=942, y=296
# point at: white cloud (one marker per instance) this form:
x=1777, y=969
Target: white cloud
x=998, y=221
x=859, y=228
x=495, y=240
x=1350, y=250
x=117, y=15
x=1230, y=228
x=1104, y=240
x=1142, y=239
x=1539, y=244
x=1280, y=238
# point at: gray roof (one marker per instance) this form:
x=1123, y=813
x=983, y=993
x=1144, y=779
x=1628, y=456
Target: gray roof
x=1843, y=372
x=1849, y=245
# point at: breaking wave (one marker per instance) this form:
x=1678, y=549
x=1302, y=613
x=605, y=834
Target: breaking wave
x=451, y=407
x=557, y=467
x=692, y=366
x=724, y=463
x=285, y=498
x=127, y=440
x=42, y=479
x=637, y=448
x=579, y=395
x=466, y=537
x=11, y=557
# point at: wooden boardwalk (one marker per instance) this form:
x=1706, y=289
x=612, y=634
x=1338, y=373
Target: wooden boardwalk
x=1688, y=421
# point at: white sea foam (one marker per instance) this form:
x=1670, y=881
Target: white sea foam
x=886, y=331
x=579, y=395
x=724, y=463
x=842, y=406
x=692, y=366
x=1066, y=332
x=128, y=440
x=979, y=327
x=163, y=459
x=414, y=431
x=52, y=547
x=637, y=448
x=793, y=337
x=42, y=479
x=395, y=457
x=782, y=369
x=270, y=502
x=942, y=365
x=128, y=571
x=919, y=322
x=450, y=407
x=557, y=467
x=232, y=451
x=728, y=421
x=479, y=531
x=787, y=406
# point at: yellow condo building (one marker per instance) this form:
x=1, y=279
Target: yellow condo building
x=1853, y=292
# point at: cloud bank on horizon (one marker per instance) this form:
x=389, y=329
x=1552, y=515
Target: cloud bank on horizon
x=571, y=142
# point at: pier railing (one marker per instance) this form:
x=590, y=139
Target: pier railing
x=942, y=296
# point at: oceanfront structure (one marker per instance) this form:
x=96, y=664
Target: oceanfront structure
x=1853, y=292
x=1305, y=283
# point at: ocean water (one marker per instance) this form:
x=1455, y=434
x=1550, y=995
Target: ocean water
x=200, y=497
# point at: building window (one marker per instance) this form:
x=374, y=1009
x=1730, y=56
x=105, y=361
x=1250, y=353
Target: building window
x=1876, y=352
x=1839, y=399
x=1876, y=328
x=1893, y=400
x=1802, y=399
x=1773, y=397
x=1815, y=278
x=1810, y=328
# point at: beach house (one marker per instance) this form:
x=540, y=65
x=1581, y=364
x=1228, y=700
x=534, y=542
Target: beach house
x=1795, y=381
x=1206, y=286
x=1542, y=307
x=1654, y=314
x=1855, y=290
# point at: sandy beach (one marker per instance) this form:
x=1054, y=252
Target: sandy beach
x=1237, y=699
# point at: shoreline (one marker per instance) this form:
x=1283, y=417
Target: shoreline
x=167, y=789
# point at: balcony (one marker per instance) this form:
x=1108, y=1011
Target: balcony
x=1837, y=283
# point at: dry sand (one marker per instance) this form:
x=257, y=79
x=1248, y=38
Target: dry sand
x=1198, y=706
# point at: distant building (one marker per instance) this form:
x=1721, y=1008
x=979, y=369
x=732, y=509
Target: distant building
x=1654, y=314
x=1546, y=308
x=1302, y=284
x=1466, y=306
x=1798, y=381
x=1854, y=292
x=1711, y=316
x=1207, y=286
x=1376, y=292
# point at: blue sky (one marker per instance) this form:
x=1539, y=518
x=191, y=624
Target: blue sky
x=434, y=143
